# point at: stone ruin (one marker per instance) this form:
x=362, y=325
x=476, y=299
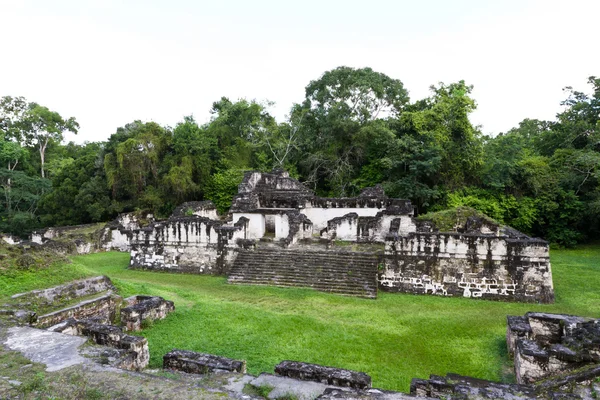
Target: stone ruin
x=556, y=357
x=278, y=232
x=62, y=309
x=545, y=344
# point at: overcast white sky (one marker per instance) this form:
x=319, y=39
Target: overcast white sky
x=110, y=62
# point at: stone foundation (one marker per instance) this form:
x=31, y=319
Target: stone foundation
x=319, y=373
x=468, y=265
x=104, y=307
x=80, y=288
x=144, y=308
x=200, y=363
x=554, y=343
x=136, y=347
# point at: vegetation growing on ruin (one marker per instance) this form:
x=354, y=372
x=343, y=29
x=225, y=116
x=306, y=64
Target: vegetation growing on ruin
x=454, y=218
x=353, y=129
x=394, y=338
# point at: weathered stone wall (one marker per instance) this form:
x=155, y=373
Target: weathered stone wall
x=205, y=209
x=187, y=244
x=545, y=344
x=468, y=265
x=200, y=363
x=138, y=355
x=118, y=234
x=356, y=228
x=144, y=308
x=105, y=307
x=318, y=373
x=256, y=224
x=80, y=288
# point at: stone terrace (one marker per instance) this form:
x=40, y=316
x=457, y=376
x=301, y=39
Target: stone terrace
x=348, y=273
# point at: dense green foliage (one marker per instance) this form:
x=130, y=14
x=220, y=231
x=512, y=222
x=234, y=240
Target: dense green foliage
x=355, y=128
x=393, y=338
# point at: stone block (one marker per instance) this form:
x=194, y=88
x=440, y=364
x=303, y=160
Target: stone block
x=200, y=363
x=70, y=291
x=104, y=306
x=531, y=361
x=551, y=328
x=516, y=328
x=319, y=373
x=142, y=308
x=108, y=335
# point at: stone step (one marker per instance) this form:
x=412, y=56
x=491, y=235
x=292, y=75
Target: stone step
x=322, y=255
x=309, y=258
x=357, y=293
x=307, y=250
x=349, y=273
x=303, y=262
x=324, y=278
x=328, y=282
x=300, y=281
x=305, y=268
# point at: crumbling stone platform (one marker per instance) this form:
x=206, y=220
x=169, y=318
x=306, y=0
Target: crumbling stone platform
x=104, y=306
x=319, y=373
x=136, y=354
x=200, y=363
x=94, y=317
x=544, y=344
x=62, y=293
x=144, y=308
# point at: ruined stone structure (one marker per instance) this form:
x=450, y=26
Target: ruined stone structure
x=545, y=344
x=139, y=309
x=200, y=363
x=278, y=232
x=556, y=356
x=93, y=317
x=318, y=373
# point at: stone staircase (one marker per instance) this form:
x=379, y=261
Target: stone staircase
x=342, y=272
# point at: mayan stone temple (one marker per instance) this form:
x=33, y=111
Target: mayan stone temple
x=278, y=232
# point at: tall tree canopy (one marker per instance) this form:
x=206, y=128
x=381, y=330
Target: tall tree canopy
x=354, y=128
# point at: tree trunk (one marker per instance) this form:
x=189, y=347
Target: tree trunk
x=43, y=155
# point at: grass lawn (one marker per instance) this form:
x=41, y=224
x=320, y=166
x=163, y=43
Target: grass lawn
x=394, y=338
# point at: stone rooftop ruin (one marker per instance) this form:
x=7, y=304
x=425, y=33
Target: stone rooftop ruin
x=278, y=232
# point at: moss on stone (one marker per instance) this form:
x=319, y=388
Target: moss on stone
x=454, y=219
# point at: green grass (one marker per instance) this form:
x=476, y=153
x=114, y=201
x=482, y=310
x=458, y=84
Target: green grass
x=394, y=338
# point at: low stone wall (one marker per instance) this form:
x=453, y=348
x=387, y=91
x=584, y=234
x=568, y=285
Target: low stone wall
x=552, y=344
x=144, y=308
x=200, y=363
x=579, y=384
x=104, y=306
x=468, y=265
x=138, y=354
x=70, y=291
x=319, y=373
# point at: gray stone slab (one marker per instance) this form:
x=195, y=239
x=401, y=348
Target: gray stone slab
x=55, y=350
x=237, y=383
x=304, y=390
